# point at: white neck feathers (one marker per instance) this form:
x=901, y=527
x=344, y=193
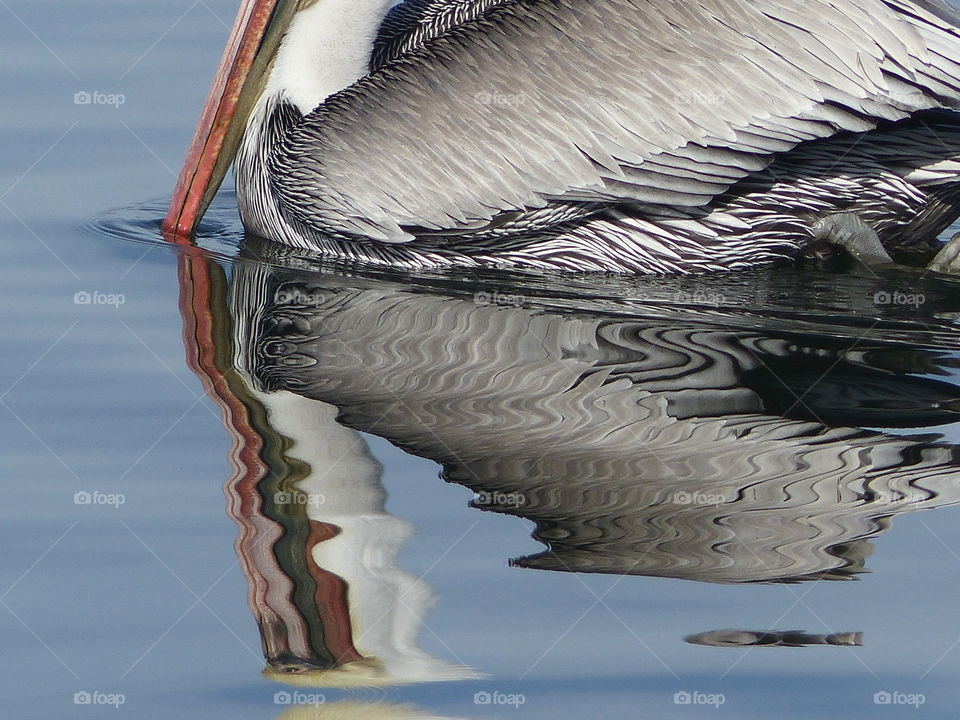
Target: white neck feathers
x=326, y=49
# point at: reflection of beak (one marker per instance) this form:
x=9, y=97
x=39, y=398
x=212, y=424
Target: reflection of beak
x=239, y=82
x=366, y=672
x=292, y=655
x=291, y=664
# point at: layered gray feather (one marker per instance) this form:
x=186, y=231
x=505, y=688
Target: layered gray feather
x=663, y=104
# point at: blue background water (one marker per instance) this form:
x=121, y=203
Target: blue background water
x=147, y=599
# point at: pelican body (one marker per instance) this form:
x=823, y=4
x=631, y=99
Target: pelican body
x=648, y=136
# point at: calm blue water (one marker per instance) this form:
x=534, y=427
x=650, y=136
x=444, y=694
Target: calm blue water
x=138, y=597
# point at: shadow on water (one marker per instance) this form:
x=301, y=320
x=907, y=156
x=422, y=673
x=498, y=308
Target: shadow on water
x=743, y=428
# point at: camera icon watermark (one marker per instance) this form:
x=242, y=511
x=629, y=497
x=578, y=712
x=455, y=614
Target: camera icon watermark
x=296, y=296
x=696, y=697
x=499, y=498
x=888, y=497
x=299, y=498
x=899, y=297
x=710, y=99
x=85, y=297
x=485, y=697
x=699, y=297
x=895, y=697
x=94, y=697
x=696, y=497
x=500, y=99
x=114, y=500
x=288, y=697
x=484, y=297
x=95, y=97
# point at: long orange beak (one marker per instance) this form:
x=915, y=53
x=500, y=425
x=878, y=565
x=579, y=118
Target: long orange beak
x=253, y=44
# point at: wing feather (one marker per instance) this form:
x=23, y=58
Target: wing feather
x=410, y=24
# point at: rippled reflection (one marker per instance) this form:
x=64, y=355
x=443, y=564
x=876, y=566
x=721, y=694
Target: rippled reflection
x=639, y=447
x=727, y=443
x=316, y=544
x=761, y=638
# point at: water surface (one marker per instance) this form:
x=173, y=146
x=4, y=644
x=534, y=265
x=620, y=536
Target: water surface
x=625, y=463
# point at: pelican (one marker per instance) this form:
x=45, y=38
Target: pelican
x=637, y=136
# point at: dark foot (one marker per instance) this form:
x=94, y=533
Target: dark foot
x=854, y=235
x=948, y=259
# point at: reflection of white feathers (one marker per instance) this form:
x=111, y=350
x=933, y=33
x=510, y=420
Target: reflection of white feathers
x=357, y=711
x=387, y=605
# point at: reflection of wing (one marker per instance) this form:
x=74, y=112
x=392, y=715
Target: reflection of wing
x=853, y=394
x=635, y=447
x=663, y=103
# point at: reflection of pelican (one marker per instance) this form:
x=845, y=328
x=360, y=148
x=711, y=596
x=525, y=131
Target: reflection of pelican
x=630, y=135
x=316, y=544
x=654, y=447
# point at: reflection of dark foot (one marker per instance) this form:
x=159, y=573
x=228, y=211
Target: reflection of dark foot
x=851, y=233
x=948, y=259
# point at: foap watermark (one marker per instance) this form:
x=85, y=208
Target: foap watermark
x=899, y=297
x=95, y=97
x=114, y=500
x=296, y=296
x=484, y=297
x=699, y=297
x=706, y=99
x=500, y=99
x=907, y=497
x=696, y=497
x=299, y=498
x=485, y=697
x=94, y=697
x=500, y=498
x=288, y=697
x=696, y=697
x=895, y=697
x=85, y=297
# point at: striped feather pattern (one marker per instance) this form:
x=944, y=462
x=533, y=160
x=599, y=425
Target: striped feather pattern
x=537, y=101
